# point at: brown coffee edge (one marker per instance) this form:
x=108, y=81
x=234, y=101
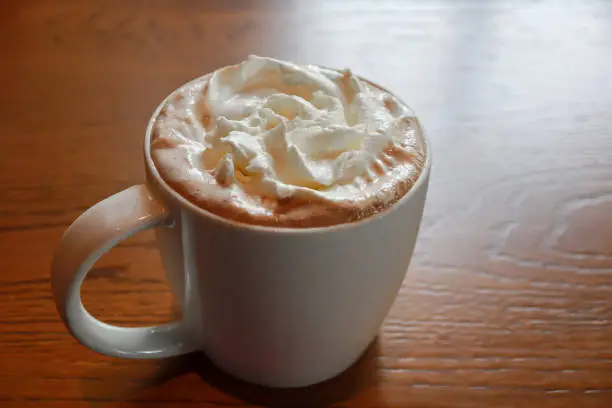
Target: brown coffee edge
x=308, y=212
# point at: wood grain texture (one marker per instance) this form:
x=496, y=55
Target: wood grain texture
x=508, y=301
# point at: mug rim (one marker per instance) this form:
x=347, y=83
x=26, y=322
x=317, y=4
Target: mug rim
x=185, y=203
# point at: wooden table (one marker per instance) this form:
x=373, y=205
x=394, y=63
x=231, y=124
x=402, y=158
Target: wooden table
x=508, y=301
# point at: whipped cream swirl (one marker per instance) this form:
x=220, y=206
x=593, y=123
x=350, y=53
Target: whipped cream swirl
x=266, y=131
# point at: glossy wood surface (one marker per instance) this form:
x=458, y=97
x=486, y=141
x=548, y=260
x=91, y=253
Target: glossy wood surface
x=508, y=301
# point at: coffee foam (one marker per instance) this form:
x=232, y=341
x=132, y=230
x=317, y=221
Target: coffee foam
x=268, y=142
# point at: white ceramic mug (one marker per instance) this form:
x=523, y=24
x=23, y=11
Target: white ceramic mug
x=273, y=306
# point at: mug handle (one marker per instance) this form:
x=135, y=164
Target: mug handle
x=95, y=232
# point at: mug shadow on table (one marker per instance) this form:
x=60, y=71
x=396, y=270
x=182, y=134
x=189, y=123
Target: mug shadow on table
x=360, y=376
x=164, y=384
